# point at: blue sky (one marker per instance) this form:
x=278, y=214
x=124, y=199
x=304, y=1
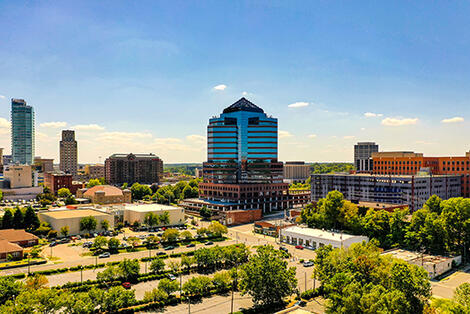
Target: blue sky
x=140, y=75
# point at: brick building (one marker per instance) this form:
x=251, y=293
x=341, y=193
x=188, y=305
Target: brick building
x=132, y=168
x=57, y=181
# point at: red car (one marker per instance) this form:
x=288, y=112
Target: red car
x=300, y=247
x=126, y=285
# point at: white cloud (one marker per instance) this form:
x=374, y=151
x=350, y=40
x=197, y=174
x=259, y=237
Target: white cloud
x=123, y=136
x=312, y=136
x=220, y=87
x=363, y=129
x=372, y=115
x=298, y=104
x=4, y=123
x=349, y=137
x=88, y=127
x=399, y=122
x=53, y=125
x=453, y=120
x=425, y=143
x=2, y=97
x=244, y=93
x=196, y=138
x=284, y=134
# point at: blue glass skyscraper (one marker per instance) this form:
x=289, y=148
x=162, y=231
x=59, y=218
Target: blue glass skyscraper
x=22, y=132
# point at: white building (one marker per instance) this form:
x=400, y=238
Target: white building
x=317, y=238
x=435, y=265
x=137, y=212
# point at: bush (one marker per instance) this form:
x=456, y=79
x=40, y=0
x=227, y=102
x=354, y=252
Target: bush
x=310, y=294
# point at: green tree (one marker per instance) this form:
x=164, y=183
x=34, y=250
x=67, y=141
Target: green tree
x=9, y=289
x=155, y=295
x=1, y=195
x=63, y=193
x=139, y=191
x=104, y=224
x=217, y=229
x=124, y=186
x=18, y=219
x=187, y=261
x=222, y=281
x=157, y=265
x=100, y=243
x=197, y=286
x=113, y=244
x=88, y=223
x=456, y=222
x=164, y=218
x=168, y=286
x=31, y=220
x=266, y=277
x=205, y=212
x=151, y=219
x=129, y=269
x=117, y=298
x=433, y=204
x=462, y=295
x=64, y=231
x=187, y=235
x=109, y=274
x=70, y=200
x=170, y=235
x=92, y=183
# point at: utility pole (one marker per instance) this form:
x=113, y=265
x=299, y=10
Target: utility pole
x=81, y=274
x=305, y=281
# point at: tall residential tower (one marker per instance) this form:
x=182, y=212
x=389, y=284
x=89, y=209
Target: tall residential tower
x=22, y=132
x=68, y=152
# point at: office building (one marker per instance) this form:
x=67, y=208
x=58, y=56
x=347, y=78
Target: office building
x=316, y=238
x=7, y=160
x=132, y=168
x=413, y=190
x=44, y=165
x=22, y=132
x=18, y=176
x=68, y=153
x=296, y=171
x=56, y=181
x=363, y=156
x=95, y=171
x=410, y=163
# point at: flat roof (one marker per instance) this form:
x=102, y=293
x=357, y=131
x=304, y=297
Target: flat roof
x=150, y=207
x=318, y=233
x=73, y=213
x=384, y=176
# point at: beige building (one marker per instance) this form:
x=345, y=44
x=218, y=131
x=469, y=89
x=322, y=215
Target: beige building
x=68, y=153
x=296, y=171
x=95, y=171
x=435, y=265
x=44, y=164
x=71, y=217
x=105, y=194
x=1, y=159
x=138, y=212
x=19, y=176
x=316, y=238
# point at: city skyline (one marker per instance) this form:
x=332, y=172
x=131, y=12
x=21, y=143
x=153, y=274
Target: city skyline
x=134, y=79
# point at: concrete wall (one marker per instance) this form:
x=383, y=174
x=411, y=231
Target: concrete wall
x=74, y=222
x=176, y=215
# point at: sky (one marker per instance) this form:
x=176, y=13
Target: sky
x=145, y=76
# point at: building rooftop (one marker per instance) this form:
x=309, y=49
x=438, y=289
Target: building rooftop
x=131, y=156
x=415, y=257
x=149, y=207
x=318, y=233
x=72, y=213
x=107, y=189
x=386, y=176
x=7, y=247
x=243, y=105
x=16, y=235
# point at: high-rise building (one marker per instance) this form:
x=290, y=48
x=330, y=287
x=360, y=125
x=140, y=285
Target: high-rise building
x=363, y=156
x=1, y=160
x=132, y=168
x=68, y=152
x=22, y=132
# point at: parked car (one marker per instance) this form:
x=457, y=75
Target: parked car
x=310, y=248
x=191, y=245
x=308, y=264
x=284, y=249
x=161, y=253
x=170, y=247
x=300, y=247
x=53, y=243
x=126, y=285
x=104, y=255
x=209, y=243
x=171, y=277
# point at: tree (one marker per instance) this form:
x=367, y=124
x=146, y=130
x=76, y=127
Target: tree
x=168, y=286
x=222, y=281
x=456, y=222
x=133, y=241
x=433, y=204
x=201, y=231
x=187, y=235
x=88, y=223
x=129, y=269
x=170, y=235
x=197, y=286
x=104, y=224
x=63, y=193
x=174, y=266
x=92, y=183
x=31, y=220
x=155, y=295
x=151, y=241
x=9, y=289
x=1, y=195
x=266, y=277
x=205, y=212
x=64, y=231
x=113, y=244
x=117, y=298
x=187, y=261
x=110, y=273
x=462, y=295
x=18, y=219
x=157, y=265
x=164, y=218
x=217, y=229
x=139, y=191
x=36, y=282
x=100, y=242
x=151, y=219
x=124, y=186
x=70, y=200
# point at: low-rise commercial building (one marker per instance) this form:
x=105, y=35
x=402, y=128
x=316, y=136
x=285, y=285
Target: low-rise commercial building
x=8, y=249
x=413, y=190
x=71, y=218
x=57, y=181
x=19, y=236
x=137, y=212
x=18, y=176
x=435, y=265
x=318, y=238
x=105, y=194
